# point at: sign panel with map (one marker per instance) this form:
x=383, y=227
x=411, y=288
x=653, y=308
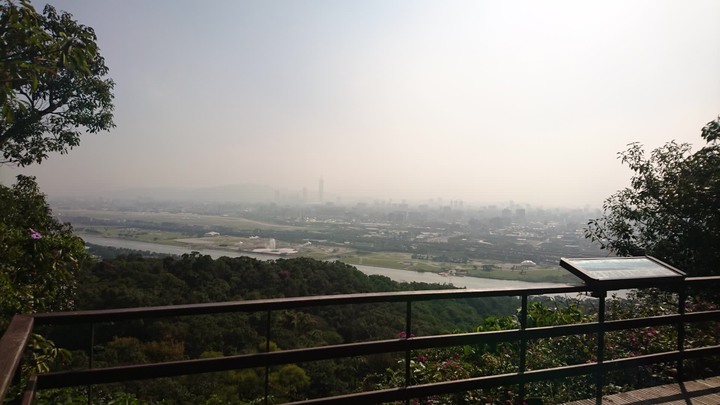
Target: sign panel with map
x=618, y=269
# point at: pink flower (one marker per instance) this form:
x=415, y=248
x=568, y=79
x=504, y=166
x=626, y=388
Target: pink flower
x=34, y=234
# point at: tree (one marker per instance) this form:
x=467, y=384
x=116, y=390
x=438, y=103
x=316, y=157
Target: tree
x=39, y=256
x=671, y=209
x=52, y=83
x=52, y=88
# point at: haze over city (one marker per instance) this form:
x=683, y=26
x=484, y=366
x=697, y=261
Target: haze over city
x=473, y=101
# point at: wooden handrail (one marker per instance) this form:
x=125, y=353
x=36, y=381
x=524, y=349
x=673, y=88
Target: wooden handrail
x=12, y=347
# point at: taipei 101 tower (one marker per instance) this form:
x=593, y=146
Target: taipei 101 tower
x=320, y=190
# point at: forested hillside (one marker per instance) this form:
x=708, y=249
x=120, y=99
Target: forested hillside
x=133, y=281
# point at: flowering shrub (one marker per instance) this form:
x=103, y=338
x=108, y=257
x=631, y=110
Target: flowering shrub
x=40, y=255
x=454, y=363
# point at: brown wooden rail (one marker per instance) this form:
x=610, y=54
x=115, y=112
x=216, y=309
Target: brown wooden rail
x=16, y=337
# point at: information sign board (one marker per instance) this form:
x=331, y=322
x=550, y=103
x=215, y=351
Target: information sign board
x=620, y=269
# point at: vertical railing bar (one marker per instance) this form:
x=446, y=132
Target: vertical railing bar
x=600, y=375
x=91, y=360
x=682, y=300
x=92, y=346
x=30, y=389
x=267, y=350
x=408, y=328
x=17, y=378
x=523, y=342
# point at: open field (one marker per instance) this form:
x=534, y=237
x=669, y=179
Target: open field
x=319, y=251
x=404, y=261
x=222, y=242
x=143, y=235
x=394, y=260
x=177, y=218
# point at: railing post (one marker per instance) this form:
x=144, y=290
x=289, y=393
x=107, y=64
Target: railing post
x=408, y=328
x=267, y=350
x=91, y=358
x=600, y=374
x=29, y=395
x=92, y=346
x=523, y=343
x=682, y=300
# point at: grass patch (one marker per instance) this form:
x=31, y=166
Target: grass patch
x=404, y=261
x=144, y=235
x=177, y=218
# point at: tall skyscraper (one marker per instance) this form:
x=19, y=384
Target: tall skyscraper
x=320, y=190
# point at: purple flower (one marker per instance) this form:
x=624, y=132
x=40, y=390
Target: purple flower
x=35, y=234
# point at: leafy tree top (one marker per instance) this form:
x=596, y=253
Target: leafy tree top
x=52, y=83
x=39, y=255
x=671, y=209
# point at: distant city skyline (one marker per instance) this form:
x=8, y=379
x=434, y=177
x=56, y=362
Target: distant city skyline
x=479, y=101
x=321, y=189
x=266, y=194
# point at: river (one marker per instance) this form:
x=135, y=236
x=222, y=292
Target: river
x=393, y=274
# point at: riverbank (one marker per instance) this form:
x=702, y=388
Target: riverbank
x=394, y=274
x=253, y=247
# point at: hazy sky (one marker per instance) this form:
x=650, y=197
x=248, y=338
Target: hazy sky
x=481, y=101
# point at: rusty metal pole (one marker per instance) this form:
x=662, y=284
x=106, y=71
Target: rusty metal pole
x=682, y=300
x=599, y=376
x=408, y=328
x=523, y=344
x=267, y=350
x=91, y=358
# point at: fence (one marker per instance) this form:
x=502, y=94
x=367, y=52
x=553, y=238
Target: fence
x=15, y=339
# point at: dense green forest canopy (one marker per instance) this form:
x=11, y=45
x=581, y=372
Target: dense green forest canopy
x=133, y=280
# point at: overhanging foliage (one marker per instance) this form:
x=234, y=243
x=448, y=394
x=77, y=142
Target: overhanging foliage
x=671, y=209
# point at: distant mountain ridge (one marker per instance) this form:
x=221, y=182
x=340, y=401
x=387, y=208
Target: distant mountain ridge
x=235, y=192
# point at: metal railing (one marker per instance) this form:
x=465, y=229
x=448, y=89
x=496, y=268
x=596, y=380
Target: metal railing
x=15, y=339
